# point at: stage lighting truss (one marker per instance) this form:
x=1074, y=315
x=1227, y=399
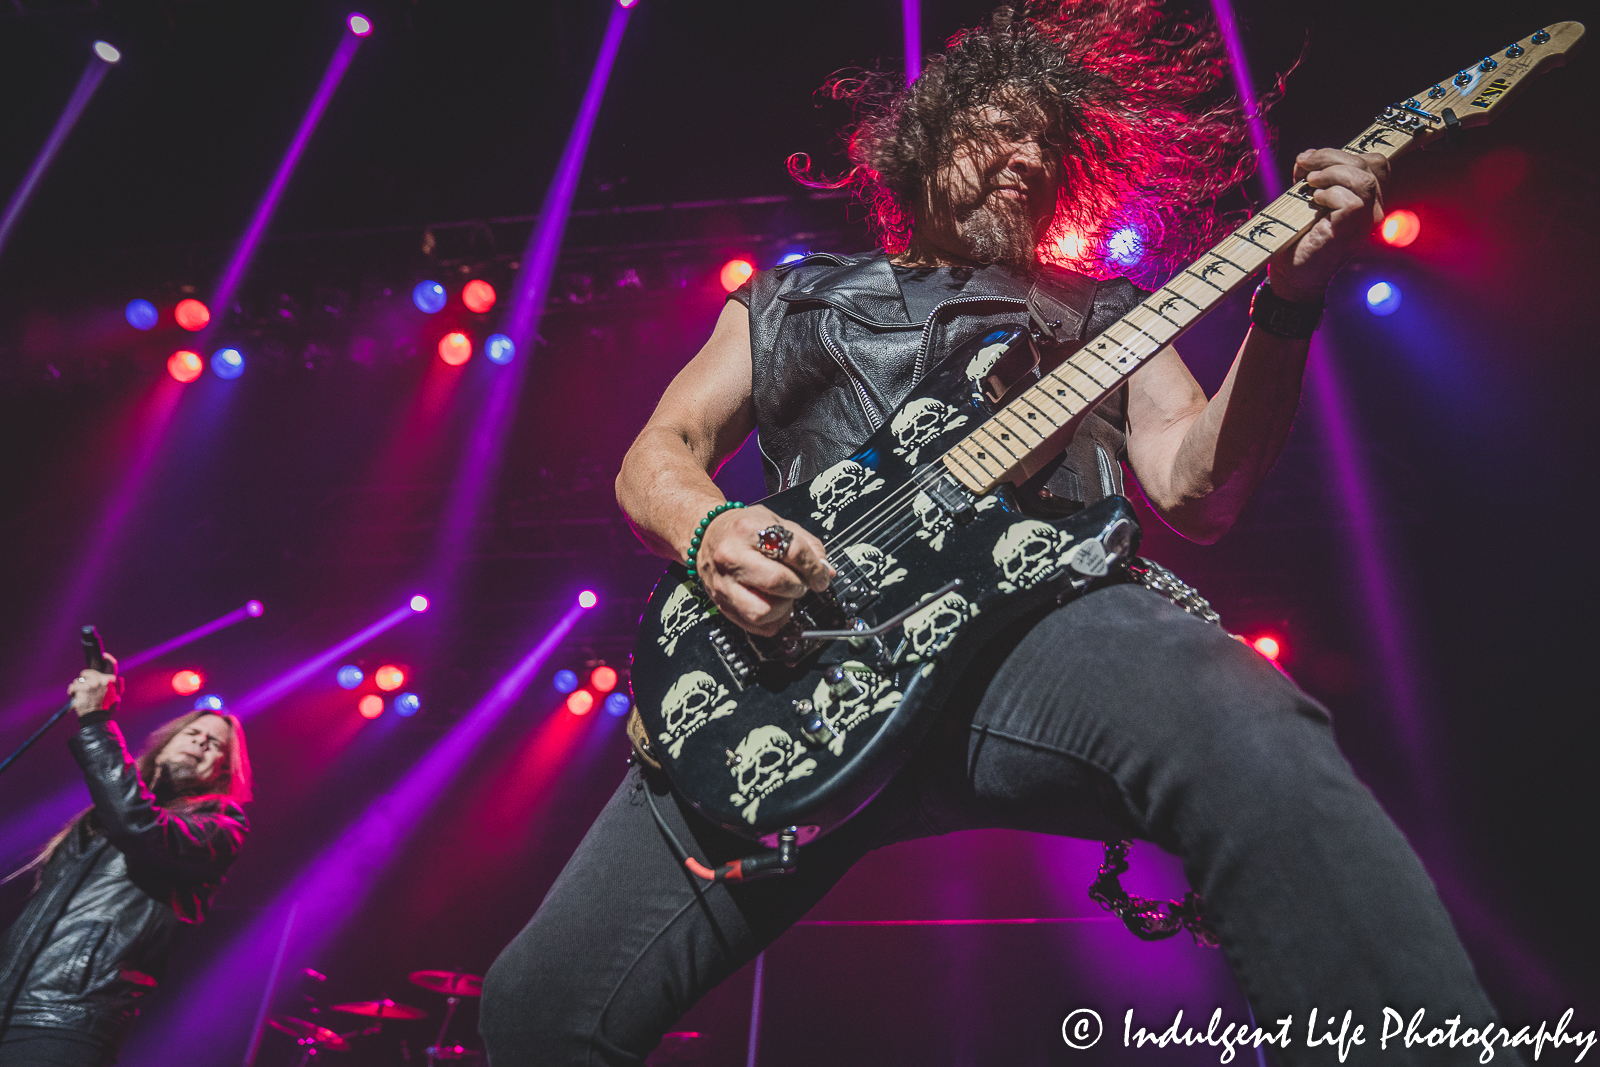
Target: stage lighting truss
x=349, y=299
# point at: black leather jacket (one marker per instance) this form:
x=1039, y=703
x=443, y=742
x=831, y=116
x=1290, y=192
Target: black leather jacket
x=111, y=903
x=835, y=353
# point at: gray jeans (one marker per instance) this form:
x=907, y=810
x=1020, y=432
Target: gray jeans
x=1117, y=715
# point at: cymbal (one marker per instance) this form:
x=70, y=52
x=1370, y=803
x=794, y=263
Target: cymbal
x=309, y=1033
x=450, y=983
x=381, y=1009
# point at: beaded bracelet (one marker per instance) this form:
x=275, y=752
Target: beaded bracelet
x=700, y=531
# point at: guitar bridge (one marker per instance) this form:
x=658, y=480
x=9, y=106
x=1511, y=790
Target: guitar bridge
x=792, y=645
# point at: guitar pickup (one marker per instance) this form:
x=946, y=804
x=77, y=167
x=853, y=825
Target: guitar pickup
x=735, y=653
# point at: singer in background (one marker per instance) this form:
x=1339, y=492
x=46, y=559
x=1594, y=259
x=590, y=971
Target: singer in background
x=118, y=883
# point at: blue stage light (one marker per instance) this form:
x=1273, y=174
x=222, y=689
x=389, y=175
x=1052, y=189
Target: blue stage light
x=359, y=24
x=791, y=257
x=141, y=314
x=618, y=704
x=107, y=51
x=407, y=705
x=350, y=676
x=227, y=363
x=565, y=681
x=1383, y=298
x=209, y=702
x=1126, y=246
x=499, y=348
x=429, y=297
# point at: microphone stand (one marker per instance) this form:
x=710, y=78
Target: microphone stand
x=94, y=657
x=40, y=732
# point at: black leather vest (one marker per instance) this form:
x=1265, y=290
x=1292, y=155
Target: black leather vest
x=834, y=354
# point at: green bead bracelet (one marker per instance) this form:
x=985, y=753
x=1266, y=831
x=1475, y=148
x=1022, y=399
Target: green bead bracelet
x=700, y=531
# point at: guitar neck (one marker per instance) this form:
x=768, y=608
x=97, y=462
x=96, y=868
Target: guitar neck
x=1030, y=430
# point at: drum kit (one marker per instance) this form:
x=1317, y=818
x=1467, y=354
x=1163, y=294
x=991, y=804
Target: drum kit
x=315, y=1039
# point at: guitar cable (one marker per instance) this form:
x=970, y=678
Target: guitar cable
x=768, y=863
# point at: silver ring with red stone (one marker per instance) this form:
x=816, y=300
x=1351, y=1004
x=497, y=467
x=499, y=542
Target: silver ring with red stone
x=773, y=542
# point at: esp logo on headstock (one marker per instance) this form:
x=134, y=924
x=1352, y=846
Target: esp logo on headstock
x=1491, y=93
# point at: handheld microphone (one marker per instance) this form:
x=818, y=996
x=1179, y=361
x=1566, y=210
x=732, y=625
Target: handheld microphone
x=94, y=653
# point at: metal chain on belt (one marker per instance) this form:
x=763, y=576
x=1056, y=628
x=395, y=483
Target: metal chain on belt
x=1149, y=920
x=1154, y=576
x=1155, y=920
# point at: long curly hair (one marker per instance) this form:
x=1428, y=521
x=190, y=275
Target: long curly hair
x=1133, y=104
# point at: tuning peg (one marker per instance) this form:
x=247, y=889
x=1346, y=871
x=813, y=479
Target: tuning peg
x=1514, y=51
x=1540, y=38
x=1462, y=79
x=1488, y=64
x=1436, y=92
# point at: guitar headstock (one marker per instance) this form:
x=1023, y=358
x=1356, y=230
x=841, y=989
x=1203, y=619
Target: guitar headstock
x=1474, y=95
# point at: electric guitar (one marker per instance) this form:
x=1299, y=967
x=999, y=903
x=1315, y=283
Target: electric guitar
x=785, y=738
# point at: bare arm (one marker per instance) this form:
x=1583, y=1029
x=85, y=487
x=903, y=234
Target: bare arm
x=1200, y=461
x=665, y=486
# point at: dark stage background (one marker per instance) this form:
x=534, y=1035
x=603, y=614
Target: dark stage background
x=320, y=482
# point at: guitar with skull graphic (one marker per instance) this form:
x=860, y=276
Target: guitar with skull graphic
x=790, y=736
x=801, y=730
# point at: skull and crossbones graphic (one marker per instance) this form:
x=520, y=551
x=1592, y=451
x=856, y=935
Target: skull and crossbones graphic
x=936, y=521
x=931, y=629
x=694, y=700
x=1027, y=553
x=984, y=361
x=766, y=758
x=877, y=567
x=920, y=423
x=838, y=486
x=870, y=694
x=679, y=614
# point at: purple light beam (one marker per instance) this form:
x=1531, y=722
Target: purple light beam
x=1374, y=572
x=1259, y=137
x=223, y=294
x=245, y=611
x=87, y=84
x=911, y=20
x=56, y=643
x=481, y=458
x=43, y=697
x=544, y=243
x=332, y=888
x=266, y=695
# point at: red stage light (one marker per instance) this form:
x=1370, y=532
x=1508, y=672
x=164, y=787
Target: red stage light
x=478, y=296
x=191, y=314
x=1400, y=228
x=185, y=366
x=370, y=706
x=603, y=678
x=1268, y=646
x=187, y=683
x=735, y=272
x=389, y=677
x=580, y=702
x=455, y=348
x=1069, y=247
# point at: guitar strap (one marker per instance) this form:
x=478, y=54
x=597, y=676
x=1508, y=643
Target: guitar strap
x=1059, y=304
x=640, y=740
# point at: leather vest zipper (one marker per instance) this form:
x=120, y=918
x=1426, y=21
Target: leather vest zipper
x=919, y=369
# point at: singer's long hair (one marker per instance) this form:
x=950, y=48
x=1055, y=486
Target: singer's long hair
x=234, y=783
x=1135, y=105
